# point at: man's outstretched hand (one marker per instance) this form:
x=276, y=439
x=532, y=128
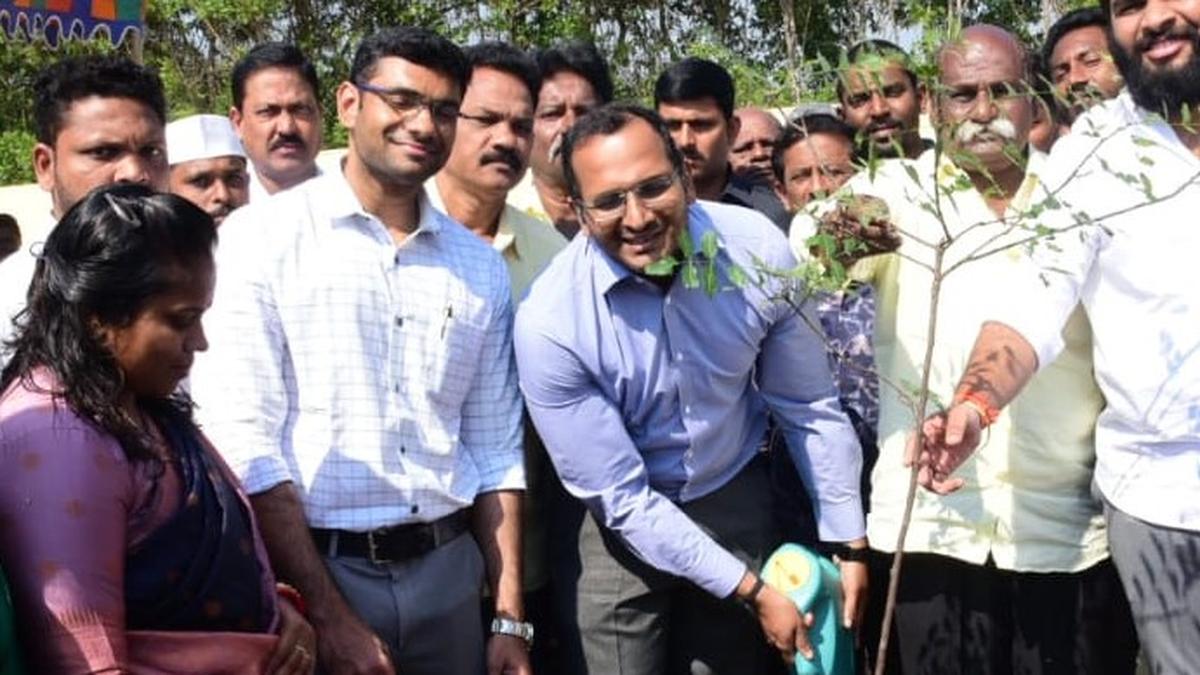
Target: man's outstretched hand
x=947, y=440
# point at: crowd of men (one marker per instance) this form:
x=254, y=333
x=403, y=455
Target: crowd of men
x=480, y=434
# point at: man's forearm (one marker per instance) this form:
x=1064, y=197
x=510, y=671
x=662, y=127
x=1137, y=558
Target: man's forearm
x=497, y=527
x=1002, y=361
x=293, y=555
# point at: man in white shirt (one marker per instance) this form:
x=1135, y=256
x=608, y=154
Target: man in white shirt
x=99, y=121
x=277, y=112
x=208, y=165
x=1024, y=539
x=361, y=383
x=1126, y=253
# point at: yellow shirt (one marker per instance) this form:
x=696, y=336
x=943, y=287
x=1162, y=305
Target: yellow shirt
x=526, y=242
x=1027, y=499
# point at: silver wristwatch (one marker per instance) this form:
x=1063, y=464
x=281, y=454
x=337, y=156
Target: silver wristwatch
x=521, y=629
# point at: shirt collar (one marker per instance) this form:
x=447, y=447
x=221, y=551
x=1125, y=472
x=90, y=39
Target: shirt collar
x=949, y=173
x=342, y=203
x=609, y=272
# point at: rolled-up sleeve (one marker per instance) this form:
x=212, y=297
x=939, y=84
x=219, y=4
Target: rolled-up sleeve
x=244, y=385
x=795, y=381
x=492, y=429
x=598, y=463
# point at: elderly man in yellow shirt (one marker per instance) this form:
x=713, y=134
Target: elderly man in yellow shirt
x=1012, y=572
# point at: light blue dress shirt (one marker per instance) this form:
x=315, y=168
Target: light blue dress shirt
x=647, y=399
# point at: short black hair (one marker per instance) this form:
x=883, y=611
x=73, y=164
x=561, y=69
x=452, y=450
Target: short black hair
x=507, y=59
x=68, y=80
x=582, y=59
x=803, y=127
x=417, y=45
x=272, y=55
x=607, y=120
x=879, y=49
x=1072, y=21
x=692, y=79
x=10, y=236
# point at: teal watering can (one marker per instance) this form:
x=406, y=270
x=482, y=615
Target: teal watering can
x=814, y=584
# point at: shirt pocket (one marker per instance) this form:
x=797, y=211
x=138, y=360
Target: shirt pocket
x=453, y=342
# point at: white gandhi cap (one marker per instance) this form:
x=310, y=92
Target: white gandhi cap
x=202, y=137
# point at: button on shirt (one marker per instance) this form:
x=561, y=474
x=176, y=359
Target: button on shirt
x=1027, y=501
x=1133, y=275
x=378, y=378
x=647, y=399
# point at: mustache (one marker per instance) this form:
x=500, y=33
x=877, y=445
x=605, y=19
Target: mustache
x=507, y=156
x=872, y=127
x=1185, y=31
x=969, y=132
x=285, y=139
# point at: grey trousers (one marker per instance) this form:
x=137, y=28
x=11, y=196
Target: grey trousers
x=1160, y=570
x=637, y=620
x=426, y=610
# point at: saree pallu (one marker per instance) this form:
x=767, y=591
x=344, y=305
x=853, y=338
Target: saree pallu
x=200, y=570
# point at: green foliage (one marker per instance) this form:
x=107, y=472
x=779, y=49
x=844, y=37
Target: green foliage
x=780, y=52
x=16, y=149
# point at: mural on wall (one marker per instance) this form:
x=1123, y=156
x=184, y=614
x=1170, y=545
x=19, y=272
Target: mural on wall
x=58, y=20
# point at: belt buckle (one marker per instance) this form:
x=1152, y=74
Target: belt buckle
x=373, y=550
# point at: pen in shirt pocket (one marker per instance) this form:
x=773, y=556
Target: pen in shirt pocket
x=446, y=320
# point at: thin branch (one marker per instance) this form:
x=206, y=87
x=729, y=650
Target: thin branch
x=1091, y=221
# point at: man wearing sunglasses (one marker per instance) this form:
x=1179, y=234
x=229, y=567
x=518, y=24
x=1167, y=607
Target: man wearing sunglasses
x=652, y=396
x=362, y=379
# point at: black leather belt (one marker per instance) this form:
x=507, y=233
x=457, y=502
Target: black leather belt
x=393, y=544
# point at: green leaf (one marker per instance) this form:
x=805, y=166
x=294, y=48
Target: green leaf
x=709, y=244
x=1143, y=142
x=710, y=279
x=691, y=277
x=686, y=245
x=737, y=276
x=663, y=267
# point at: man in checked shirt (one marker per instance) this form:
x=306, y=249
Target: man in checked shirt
x=361, y=378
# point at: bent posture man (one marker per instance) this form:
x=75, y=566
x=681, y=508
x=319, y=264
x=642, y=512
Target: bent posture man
x=652, y=398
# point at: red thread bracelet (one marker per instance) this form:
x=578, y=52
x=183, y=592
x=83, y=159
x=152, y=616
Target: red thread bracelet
x=988, y=413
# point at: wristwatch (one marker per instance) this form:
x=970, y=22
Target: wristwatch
x=505, y=626
x=847, y=554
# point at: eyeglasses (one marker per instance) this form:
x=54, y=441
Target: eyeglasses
x=609, y=207
x=408, y=103
x=521, y=126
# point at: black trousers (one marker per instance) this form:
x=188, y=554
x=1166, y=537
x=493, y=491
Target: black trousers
x=954, y=618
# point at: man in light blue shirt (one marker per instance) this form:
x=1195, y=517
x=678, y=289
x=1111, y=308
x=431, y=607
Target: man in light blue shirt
x=652, y=397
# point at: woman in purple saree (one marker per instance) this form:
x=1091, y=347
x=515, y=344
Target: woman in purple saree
x=129, y=545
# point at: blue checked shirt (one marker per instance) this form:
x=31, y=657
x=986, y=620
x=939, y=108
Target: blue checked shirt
x=378, y=378
x=646, y=400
